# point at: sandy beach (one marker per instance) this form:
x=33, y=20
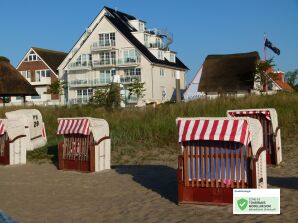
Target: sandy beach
x=126, y=193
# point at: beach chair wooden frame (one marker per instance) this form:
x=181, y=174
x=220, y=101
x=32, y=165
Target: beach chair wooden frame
x=271, y=130
x=203, y=161
x=79, y=149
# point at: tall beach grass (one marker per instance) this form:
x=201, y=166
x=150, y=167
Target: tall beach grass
x=137, y=131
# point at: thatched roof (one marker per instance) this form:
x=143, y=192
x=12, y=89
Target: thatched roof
x=12, y=83
x=52, y=58
x=231, y=72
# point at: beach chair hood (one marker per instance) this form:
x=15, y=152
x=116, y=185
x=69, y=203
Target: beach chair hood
x=84, y=126
x=13, y=128
x=242, y=129
x=30, y=118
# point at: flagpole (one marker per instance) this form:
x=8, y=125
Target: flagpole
x=265, y=37
x=265, y=58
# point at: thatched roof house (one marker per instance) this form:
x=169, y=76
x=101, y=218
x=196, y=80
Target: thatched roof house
x=12, y=83
x=229, y=73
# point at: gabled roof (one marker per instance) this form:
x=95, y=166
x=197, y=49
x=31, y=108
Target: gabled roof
x=279, y=80
x=12, y=83
x=52, y=58
x=230, y=72
x=120, y=21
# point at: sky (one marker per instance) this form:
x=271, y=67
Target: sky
x=199, y=28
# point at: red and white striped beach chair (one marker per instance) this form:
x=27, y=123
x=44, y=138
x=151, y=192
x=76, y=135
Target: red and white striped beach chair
x=218, y=155
x=271, y=131
x=86, y=146
x=12, y=143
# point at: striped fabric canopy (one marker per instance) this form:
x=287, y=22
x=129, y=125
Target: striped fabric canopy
x=2, y=127
x=242, y=113
x=222, y=129
x=73, y=126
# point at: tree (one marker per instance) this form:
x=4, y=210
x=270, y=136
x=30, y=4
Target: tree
x=292, y=79
x=57, y=87
x=263, y=74
x=108, y=96
x=136, y=89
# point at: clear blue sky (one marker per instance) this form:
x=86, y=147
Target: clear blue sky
x=199, y=27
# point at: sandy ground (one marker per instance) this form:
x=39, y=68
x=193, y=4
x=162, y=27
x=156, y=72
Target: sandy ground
x=134, y=193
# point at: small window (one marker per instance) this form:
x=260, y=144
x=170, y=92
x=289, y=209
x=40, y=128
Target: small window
x=79, y=92
x=160, y=55
x=172, y=58
x=162, y=72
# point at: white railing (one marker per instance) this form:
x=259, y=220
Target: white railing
x=41, y=81
x=80, y=66
x=102, y=44
x=129, y=79
x=104, y=63
x=90, y=82
x=129, y=61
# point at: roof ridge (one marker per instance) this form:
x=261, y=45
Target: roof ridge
x=54, y=51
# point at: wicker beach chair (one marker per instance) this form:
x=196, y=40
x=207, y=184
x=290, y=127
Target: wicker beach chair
x=271, y=130
x=86, y=145
x=217, y=156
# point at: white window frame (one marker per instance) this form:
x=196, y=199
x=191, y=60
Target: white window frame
x=162, y=72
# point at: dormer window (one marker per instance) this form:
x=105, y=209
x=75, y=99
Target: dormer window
x=160, y=55
x=172, y=58
x=32, y=57
x=141, y=26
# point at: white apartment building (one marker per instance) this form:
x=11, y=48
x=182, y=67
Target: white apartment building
x=119, y=44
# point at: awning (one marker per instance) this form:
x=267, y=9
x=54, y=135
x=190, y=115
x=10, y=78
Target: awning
x=241, y=113
x=74, y=126
x=2, y=127
x=85, y=126
x=213, y=129
x=243, y=130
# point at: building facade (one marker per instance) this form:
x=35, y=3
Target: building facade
x=39, y=67
x=118, y=44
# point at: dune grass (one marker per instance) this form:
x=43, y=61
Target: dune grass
x=150, y=133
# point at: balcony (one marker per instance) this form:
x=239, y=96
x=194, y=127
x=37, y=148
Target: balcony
x=104, y=63
x=41, y=81
x=103, y=45
x=80, y=66
x=90, y=82
x=129, y=79
x=130, y=61
x=156, y=45
x=80, y=100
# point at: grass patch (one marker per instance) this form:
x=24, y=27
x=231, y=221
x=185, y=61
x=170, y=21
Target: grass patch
x=143, y=134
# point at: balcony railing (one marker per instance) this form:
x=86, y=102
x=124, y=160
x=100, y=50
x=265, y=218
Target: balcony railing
x=90, y=83
x=129, y=61
x=104, y=63
x=103, y=45
x=41, y=81
x=80, y=66
x=156, y=45
x=80, y=100
x=129, y=79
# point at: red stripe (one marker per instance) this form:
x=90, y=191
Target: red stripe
x=61, y=124
x=85, y=126
x=194, y=129
x=213, y=130
x=234, y=130
x=2, y=130
x=205, y=126
x=185, y=130
x=223, y=130
x=243, y=132
x=70, y=126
